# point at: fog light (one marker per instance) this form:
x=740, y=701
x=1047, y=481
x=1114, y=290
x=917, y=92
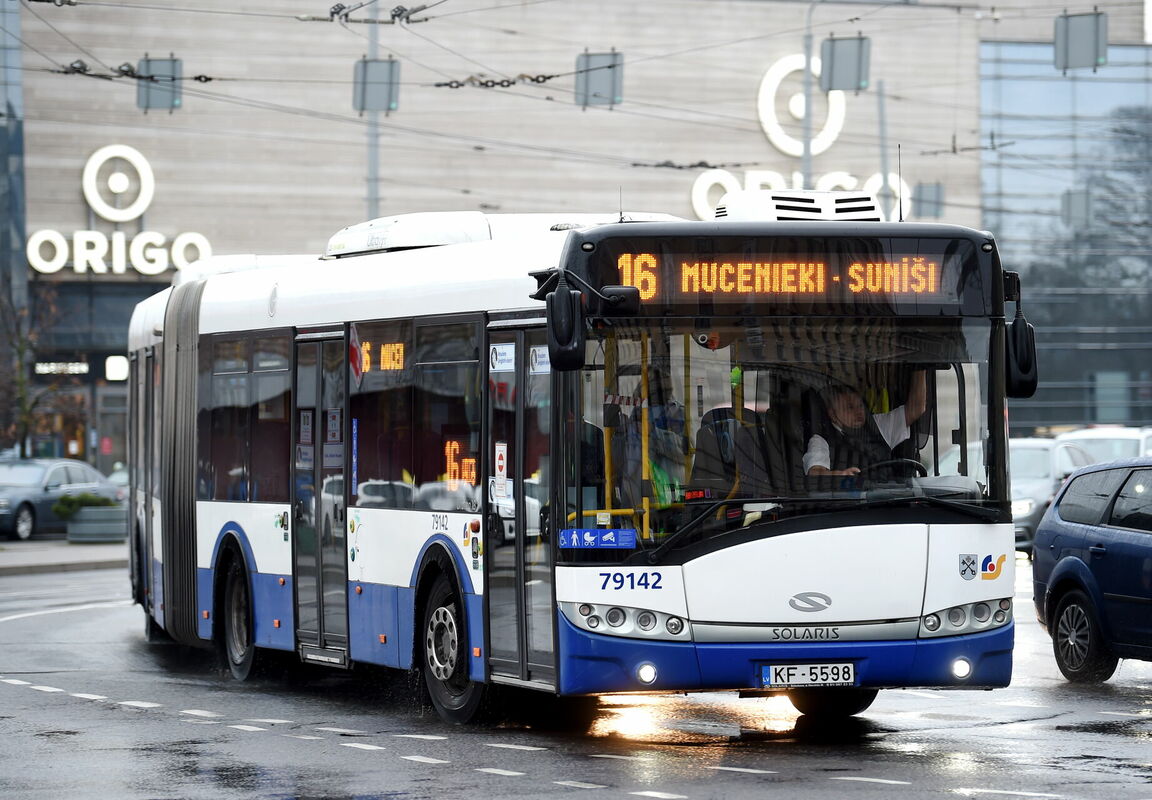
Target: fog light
x=584, y=609
x=593, y=622
x=646, y=673
x=932, y=622
x=674, y=625
x=1000, y=617
x=981, y=612
x=961, y=669
x=614, y=617
x=646, y=621
x=956, y=616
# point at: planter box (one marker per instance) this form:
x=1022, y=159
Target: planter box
x=99, y=524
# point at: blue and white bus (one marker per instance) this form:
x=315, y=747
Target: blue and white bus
x=582, y=454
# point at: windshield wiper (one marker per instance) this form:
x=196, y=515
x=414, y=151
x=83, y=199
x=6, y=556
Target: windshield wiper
x=979, y=512
x=695, y=523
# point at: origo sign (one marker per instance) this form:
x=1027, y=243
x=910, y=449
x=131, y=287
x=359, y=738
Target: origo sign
x=146, y=252
x=823, y=137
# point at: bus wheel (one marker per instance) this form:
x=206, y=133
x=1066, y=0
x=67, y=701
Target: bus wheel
x=831, y=703
x=238, y=650
x=444, y=655
x=1078, y=643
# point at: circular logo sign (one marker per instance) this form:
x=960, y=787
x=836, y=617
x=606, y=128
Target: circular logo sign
x=117, y=182
x=766, y=106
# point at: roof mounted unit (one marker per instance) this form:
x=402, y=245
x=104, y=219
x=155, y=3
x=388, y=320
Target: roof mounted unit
x=775, y=206
x=434, y=228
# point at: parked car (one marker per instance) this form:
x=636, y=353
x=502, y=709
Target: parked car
x=30, y=487
x=1111, y=443
x=1092, y=585
x=1037, y=468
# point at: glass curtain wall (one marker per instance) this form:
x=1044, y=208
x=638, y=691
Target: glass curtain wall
x=1066, y=192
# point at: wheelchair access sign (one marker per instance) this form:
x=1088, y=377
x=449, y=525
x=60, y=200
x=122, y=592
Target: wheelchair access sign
x=599, y=538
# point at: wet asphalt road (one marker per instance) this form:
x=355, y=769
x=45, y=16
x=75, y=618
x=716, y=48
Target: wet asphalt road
x=88, y=709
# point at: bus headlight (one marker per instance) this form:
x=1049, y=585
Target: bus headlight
x=966, y=618
x=646, y=673
x=639, y=623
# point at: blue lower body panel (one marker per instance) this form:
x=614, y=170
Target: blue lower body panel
x=593, y=663
x=273, y=618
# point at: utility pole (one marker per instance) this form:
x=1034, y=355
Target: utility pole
x=373, y=121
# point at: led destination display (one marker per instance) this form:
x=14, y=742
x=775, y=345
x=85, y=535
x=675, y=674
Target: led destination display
x=917, y=275
x=736, y=275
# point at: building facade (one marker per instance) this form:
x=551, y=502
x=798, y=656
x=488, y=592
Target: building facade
x=259, y=147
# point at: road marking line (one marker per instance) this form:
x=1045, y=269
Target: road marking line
x=305, y=737
x=138, y=704
x=1122, y=714
x=250, y=728
x=870, y=780
x=361, y=746
x=580, y=785
x=746, y=769
x=492, y=770
x=513, y=746
x=970, y=792
x=196, y=712
x=271, y=721
x=425, y=760
x=83, y=696
x=200, y=721
x=15, y=682
x=621, y=758
x=660, y=795
x=45, y=688
x=341, y=730
x=85, y=607
x=426, y=736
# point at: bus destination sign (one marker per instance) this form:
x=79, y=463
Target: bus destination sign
x=738, y=276
x=731, y=274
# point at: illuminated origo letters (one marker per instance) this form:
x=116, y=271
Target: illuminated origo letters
x=147, y=252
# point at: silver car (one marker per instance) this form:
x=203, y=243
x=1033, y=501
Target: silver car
x=30, y=487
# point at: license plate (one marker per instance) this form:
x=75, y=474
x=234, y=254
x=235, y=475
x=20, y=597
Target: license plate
x=775, y=675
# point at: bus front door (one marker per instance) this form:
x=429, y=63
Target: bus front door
x=318, y=500
x=518, y=557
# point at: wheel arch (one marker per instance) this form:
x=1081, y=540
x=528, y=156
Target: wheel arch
x=436, y=559
x=230, y=547
x=1069, y=575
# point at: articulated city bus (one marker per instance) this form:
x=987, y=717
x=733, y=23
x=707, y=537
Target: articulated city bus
x=589, y=455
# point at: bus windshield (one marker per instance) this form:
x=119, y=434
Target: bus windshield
x=716, y=425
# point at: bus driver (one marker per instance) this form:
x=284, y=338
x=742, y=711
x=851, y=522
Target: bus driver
x=849, y=438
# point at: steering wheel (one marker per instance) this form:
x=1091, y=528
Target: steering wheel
x=895, y=462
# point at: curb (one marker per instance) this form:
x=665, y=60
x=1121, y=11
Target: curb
x=75, y=566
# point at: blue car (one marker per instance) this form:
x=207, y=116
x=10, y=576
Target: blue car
x=1092, y=572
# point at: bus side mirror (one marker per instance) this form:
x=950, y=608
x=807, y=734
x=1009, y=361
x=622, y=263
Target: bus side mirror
x=620, y=301
x=1021, y=359
x=565, y=329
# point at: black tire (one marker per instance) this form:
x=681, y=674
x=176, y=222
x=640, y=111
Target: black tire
x=444, y=655
x=1078, y=643
x=236, y=647
x=24, y=523
x=831, y=703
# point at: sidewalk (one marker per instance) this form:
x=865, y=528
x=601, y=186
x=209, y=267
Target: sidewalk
x=60, y=555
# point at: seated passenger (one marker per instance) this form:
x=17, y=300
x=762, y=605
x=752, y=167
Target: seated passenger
x=849, y=438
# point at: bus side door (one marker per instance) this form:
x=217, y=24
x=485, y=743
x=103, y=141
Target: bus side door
x=519, y=596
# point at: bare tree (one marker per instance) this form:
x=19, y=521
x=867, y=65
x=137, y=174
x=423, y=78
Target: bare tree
x=20, y=398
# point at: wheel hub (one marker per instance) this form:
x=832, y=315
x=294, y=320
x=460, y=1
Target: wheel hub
x=441, y=641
